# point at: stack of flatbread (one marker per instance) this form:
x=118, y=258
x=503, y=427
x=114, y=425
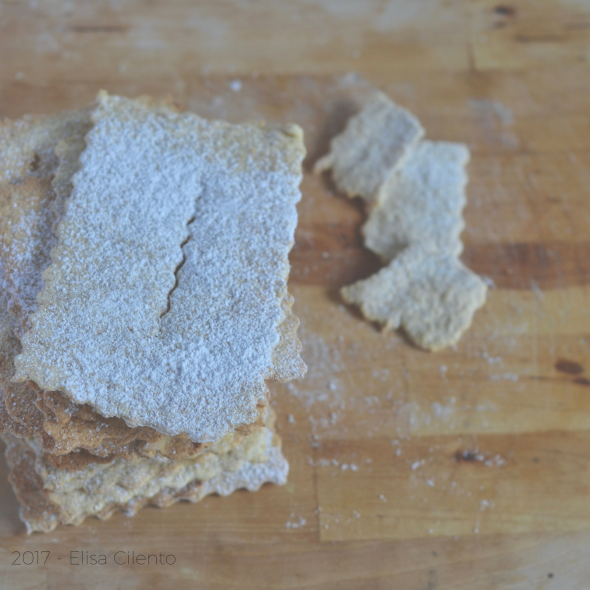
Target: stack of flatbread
x=143, y=306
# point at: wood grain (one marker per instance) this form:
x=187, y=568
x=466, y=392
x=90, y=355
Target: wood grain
x=528, y=33
x=449, y=485
x=411, y=471
x=141, y=39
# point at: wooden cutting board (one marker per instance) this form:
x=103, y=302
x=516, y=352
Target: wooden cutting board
x=467, y=468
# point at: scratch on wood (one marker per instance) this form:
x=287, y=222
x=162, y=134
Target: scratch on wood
x=97, y=29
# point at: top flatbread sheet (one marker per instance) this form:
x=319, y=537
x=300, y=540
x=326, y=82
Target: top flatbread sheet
x=164, y=296
x=422, y=203
x=371, y=148
x=32, y=198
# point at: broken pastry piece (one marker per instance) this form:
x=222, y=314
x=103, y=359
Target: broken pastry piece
x=50, y=496
x=163, y=301
x=432, y=296
x=415, y=192
x=371, y=148
x=422, y=203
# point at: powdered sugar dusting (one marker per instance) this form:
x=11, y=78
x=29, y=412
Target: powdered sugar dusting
x=29, y=207
x=103, y=333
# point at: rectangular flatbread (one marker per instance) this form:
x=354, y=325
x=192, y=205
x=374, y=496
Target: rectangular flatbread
x=166, y=290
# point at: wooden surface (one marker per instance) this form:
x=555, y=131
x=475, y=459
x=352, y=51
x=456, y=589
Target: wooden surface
x=465, y=469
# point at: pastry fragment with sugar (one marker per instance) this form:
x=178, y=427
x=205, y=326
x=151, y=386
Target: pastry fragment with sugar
x=432, y=296
x=371, y=148
x=415, y=195
x=422, y=203
x=50, y=497
x=177, y=259
x=29, y=206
